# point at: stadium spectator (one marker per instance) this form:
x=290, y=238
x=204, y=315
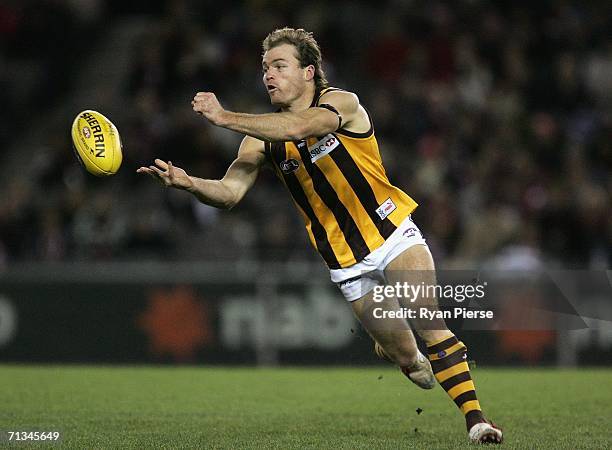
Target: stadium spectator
x=505, y=117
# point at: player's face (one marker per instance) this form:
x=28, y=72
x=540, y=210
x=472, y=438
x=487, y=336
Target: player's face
x=283, y=77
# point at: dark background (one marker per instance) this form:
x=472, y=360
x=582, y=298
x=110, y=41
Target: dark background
x=495, y=116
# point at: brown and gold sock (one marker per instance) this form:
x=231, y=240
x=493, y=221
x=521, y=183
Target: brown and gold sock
x=448, y=361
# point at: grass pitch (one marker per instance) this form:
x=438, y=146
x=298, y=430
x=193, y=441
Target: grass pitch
x=348, y=408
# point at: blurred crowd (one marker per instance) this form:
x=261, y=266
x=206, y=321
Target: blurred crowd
x=495, y=116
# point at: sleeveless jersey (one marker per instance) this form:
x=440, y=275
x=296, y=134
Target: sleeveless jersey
x=340, y=187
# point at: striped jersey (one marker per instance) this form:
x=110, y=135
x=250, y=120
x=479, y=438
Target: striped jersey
x=340, y=187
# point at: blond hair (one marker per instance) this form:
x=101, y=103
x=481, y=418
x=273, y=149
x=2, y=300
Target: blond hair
x=308, y=51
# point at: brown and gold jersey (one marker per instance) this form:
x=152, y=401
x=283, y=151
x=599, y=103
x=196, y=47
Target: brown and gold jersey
x=339, y=185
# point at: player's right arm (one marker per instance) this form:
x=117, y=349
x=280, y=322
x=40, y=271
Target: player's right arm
x=224, y=193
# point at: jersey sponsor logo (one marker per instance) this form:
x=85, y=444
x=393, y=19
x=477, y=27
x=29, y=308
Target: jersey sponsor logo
x=289, y=165
x=386, y=208
x=323, y=147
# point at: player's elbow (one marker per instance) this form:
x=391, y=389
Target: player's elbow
x=230, y=204
x=225, y=204
x=221, y=197
x=231, y=198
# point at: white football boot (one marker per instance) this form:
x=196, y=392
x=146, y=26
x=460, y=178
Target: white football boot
x=485, y=433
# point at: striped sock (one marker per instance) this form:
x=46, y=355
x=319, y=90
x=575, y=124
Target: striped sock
x=448, y=361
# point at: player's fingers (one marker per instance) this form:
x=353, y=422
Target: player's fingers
x=202, y=96
x=151, y=173
x=161, y=164
x=196, y=107
x=158, y=172
x=170, y=170
x=160, y=176
x=145, y=170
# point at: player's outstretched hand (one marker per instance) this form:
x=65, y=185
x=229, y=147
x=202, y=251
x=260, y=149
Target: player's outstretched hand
x=168, y=175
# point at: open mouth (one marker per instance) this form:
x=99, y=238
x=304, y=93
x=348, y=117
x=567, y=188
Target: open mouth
x=271, y=89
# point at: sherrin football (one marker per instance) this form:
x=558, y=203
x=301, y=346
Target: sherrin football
x=96, y=143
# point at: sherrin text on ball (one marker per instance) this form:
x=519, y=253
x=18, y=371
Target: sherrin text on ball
x=97, y=143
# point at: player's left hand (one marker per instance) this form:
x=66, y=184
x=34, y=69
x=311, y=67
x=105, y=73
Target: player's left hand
x=206, y=103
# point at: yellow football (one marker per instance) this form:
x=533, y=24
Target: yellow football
x=96, y=143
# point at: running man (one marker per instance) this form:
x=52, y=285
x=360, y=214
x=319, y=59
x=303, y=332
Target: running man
x=322, y=146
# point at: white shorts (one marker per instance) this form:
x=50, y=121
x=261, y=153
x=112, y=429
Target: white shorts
x=357, y=280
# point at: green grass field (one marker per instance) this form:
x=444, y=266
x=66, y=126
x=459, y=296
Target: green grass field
x=369, y=408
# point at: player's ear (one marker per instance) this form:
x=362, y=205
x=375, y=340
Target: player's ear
x=309, y=72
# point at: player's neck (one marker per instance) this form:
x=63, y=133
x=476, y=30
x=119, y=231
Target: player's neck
x=303, y=102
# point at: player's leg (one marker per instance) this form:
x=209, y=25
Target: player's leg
x=394, y=340
x=447, y=353
x=415, y=266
